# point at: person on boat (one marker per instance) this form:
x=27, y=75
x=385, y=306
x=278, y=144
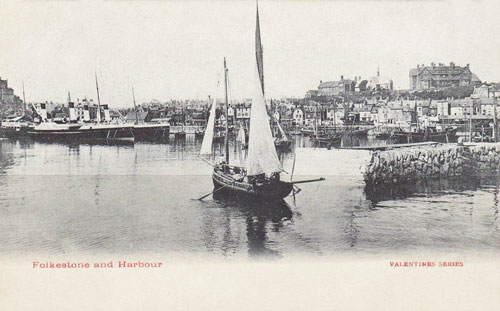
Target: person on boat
x=275, y=176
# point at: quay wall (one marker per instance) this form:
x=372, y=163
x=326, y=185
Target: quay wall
x=438, y=161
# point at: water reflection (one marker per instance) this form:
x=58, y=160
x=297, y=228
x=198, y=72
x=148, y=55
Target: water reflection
x=430, y=187
x=259, y=216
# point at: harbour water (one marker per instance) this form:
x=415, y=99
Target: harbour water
x=74, y=199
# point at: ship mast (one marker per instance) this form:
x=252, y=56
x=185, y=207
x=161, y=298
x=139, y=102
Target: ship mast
x=259, y=53
x=135, y=107
x=98, y=100
x=24, y=101
x=227, y=116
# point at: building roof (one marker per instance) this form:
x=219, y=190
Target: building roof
x=328, y=84
x=380, y=80
x=474, y=78
x=439, y=69
x=361, y=83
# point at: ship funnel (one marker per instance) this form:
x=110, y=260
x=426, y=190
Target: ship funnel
x=72, y=111
x=86, y=113
x=42, y=112
x=106, y=113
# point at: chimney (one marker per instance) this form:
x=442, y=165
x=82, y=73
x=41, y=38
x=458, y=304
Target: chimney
x=72, y=111
x=433, y=65
x=107, y=117
x=43, y=112
x=418, y=66
x=341, y=77
x=452, y=65
x=468, y=65
x=86, y=113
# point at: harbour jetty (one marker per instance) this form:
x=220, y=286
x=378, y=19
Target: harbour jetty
x=432, y=161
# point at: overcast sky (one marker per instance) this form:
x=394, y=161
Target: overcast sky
x=174, y=49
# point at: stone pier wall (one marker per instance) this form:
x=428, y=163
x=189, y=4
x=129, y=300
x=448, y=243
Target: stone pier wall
x=439, y=161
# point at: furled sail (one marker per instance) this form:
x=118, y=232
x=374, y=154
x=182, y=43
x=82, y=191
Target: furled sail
x=206, y=145
x=262, y=156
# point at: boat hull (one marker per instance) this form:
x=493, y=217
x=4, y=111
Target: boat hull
x=283, y=144
x=272, y=191
x=15, y=132
x=86, y=133
x=327, y=141
x=151, y=132
x=439, y=137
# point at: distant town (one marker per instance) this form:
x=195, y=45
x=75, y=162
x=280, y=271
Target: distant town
x=437, y=94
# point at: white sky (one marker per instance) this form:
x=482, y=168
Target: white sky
x=174, y=49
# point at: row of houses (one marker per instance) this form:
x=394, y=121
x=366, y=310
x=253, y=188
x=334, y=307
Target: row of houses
x=482, y=104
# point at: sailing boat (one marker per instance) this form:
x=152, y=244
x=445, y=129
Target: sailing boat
x=260, y=178
x=282, y=142
x=322, y=138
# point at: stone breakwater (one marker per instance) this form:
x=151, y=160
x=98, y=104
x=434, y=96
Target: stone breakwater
x=433, y=161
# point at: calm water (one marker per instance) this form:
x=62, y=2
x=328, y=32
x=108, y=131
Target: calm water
x=127, y=199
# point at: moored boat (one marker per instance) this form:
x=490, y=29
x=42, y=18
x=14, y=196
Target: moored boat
x=429, y=134
x=327, y=140
x=75, y=131
x=151, y=132
x=260, y=178
x=15, y=128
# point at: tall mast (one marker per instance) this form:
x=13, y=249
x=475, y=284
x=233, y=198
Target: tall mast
x=470, y=122
x=98, y=100
x=135, y=107
x=24, y=101
x=227, y=116
x=259, y=52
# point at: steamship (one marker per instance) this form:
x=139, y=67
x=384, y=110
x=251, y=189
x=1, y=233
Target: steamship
x=88, y=130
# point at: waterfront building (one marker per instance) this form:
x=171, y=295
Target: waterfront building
x=298, y=116
x=442, y=108
x=243, y=112
x=199, y=118
x=382, y=117
x=487, y=106
x=335, y=115
x=231, y=112
x=461, y=108
x=441, y=76
x=309, y=118
x=365, y=113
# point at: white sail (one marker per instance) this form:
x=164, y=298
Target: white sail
x=262, y=156
x=206, y=145
x=241, y=135
x=283, y=134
